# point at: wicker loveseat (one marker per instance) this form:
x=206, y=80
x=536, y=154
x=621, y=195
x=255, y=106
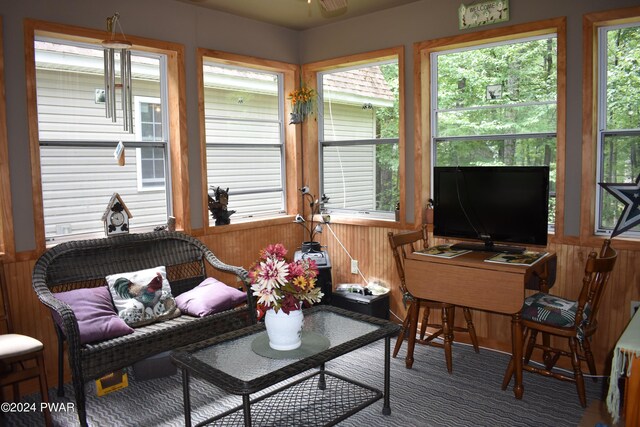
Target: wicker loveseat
x=85, y=264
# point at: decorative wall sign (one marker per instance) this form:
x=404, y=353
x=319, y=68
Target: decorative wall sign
x=483, y=13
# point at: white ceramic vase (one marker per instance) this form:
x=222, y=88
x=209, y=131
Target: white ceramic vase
x=284, y=330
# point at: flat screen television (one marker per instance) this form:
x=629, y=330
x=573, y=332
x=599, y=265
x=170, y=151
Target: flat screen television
x=505, y=204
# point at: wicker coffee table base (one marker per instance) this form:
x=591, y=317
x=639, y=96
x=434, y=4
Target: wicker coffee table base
x=303, y=403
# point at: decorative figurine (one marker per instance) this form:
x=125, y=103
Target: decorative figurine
x=316, y=207
x=116, y=217
x=218, y=205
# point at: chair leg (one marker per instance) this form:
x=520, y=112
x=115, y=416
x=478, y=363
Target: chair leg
x=577, y=372
x=81, y=399
x=530, y=344
x=588, y=355
x=403, y=330
x=447, y=327
x=508, y=374
x=425, y=322
x=471, y=328
x=414, y=309
x=60, y=362
x=44, y=389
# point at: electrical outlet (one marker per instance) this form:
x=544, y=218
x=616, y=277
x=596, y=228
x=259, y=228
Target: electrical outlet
x=635, y=306
x=354, y=266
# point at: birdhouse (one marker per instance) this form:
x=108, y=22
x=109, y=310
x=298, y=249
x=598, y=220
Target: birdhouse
x=116, y=217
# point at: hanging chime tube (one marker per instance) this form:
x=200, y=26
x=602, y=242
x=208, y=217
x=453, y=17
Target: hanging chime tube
x=126, y=98
x=109, y=84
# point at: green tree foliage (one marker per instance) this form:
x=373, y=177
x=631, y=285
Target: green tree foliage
x=620, y=153
x=508, y=89
x=387, y=155
x=496, y=97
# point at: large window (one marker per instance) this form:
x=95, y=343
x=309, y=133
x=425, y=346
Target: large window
x=244, y=131
x=245, y=135
x=79, y=172
x=496, y=104
x=359, y=135
x=618, y=128
x=73, y=142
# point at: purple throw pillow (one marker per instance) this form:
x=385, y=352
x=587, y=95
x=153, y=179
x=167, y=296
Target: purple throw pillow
x=210, y=296
x=97, y=319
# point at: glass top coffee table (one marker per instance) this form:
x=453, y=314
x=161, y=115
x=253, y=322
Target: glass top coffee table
x=319, y=397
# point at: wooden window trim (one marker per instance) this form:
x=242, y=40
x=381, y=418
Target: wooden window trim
x=422, y=102
x=310, y=132
x=176, y=86
x=292, y=134
x=590, y=24
x=7, y=249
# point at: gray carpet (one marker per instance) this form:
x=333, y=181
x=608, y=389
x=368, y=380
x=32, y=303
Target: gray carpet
x=423, y=396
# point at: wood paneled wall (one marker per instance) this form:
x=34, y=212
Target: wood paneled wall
x=369, y=245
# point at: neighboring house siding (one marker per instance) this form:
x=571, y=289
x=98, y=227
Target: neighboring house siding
x=236, y=117
x=77, y=183
x=355, y=165
x=66, y=101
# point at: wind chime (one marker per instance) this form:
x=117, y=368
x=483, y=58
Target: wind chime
x=123, y=46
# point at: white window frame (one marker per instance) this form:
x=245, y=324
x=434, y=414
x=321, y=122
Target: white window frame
x=280, y=145
x=142, y=184
x=129, y=144
x=602, y=131
x=435, y=137
x=370, y=213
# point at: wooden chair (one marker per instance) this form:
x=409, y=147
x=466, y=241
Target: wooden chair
x=408, y=242
x=21, y=359
x=575, y=320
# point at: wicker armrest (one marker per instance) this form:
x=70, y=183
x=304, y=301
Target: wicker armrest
x=240, y=272
x=69, y=322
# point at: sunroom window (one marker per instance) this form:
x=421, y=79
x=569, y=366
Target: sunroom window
x=358, y=130
x=244, y=130
x=77, y=142
x=496, y=105
x=618, y=135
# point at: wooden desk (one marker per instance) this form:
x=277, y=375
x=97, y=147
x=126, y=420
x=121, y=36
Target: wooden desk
x=467, y=280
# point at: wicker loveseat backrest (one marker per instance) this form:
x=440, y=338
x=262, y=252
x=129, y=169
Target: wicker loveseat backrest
x=86, y=263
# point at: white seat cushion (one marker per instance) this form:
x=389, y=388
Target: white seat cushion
x=12, y=345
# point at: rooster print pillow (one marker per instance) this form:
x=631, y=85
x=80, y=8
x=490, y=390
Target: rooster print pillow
x=142, y=297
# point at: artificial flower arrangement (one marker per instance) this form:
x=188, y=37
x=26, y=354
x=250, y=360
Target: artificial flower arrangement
x=302, y=100
x=282, y=285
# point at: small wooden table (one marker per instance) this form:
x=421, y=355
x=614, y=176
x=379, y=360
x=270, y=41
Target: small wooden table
x=469, y=281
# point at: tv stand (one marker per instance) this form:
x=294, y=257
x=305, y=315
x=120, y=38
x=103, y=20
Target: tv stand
x=488, y=247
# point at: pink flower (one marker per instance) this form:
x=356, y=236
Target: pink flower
x=278, y=251
x=296, y=269
x=267, y=297
x=272, y=273
x=282, y=285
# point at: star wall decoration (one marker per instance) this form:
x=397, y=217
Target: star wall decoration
x=629, y=194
